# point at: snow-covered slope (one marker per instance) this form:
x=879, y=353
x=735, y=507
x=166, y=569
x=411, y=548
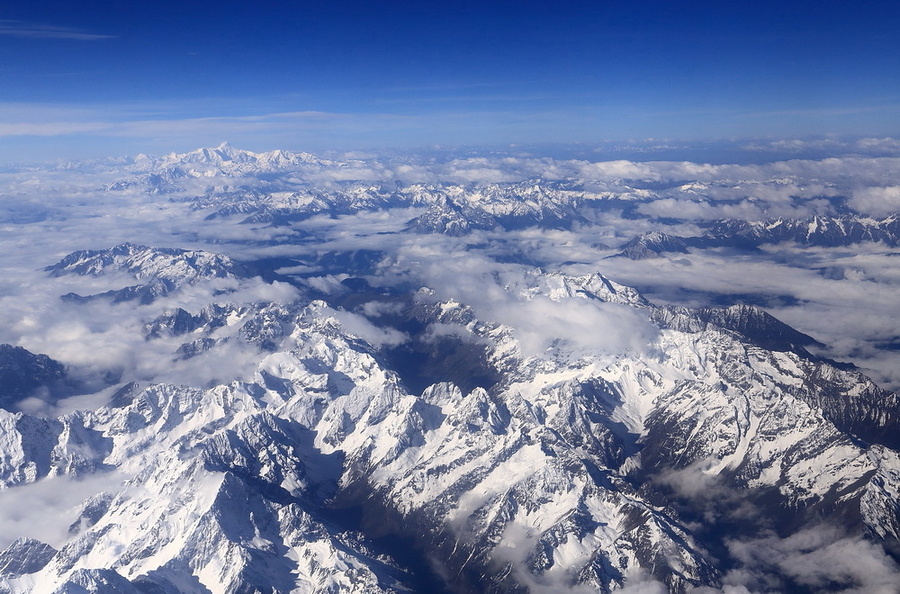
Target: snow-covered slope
x=814, y=231
x=168, y=264
x=160, y=270
x=571, y=471
x=406, y=374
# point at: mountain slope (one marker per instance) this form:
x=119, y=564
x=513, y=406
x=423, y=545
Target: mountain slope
x=23, y=372
x=568, y=471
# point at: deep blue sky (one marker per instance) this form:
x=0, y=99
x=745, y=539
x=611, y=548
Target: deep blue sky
x=100, y=77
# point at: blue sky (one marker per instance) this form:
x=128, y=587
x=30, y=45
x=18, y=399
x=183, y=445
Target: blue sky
x=98, y=78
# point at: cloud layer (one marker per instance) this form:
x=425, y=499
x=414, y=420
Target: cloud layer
x=844, y=297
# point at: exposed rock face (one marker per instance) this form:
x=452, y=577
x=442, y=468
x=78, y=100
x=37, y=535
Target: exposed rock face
x=22, y=372
x=25, y=556
x=652, y=245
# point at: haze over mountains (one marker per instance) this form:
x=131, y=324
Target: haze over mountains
x=257, y=372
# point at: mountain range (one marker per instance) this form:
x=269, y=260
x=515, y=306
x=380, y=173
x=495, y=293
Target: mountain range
x=539, y=431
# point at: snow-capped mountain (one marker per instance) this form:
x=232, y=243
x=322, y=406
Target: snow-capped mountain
x=161, y=270
x=396, y=375
x=562, y=473
x=226, y=159
x=174, y=265
x=814, y=231
x=652, y=244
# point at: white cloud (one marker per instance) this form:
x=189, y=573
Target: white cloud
x=818, y=558
x=363, y=328
x=879, y=145
x=851, y=313
x=472, y=279
x=877, y=201
x=702, y=210
x=44, y=510
x=61, y=212
x=797, y=145
x=643, y=586
x=97, y=338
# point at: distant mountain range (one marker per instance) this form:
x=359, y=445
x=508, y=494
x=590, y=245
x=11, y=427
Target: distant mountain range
x=817, y=231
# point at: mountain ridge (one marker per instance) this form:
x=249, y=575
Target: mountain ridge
x=552, y=450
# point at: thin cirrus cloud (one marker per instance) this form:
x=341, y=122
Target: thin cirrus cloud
x=118, y=129
x=53, y=120
x=60, y=121
x=50, y=132
x=124, y=120
x=43, y=31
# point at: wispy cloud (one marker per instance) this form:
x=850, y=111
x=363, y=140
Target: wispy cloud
x=819, y=558
x=116, y=121
x=42, y=31
x=58, y=500
x=50, y=128
x=864, y=146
